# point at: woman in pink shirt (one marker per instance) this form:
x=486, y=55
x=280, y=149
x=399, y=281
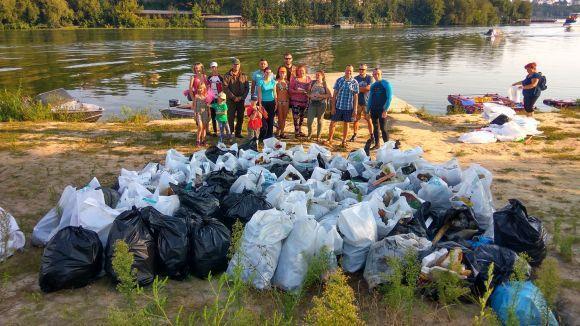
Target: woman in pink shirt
x=197, y=78
x=299, y=89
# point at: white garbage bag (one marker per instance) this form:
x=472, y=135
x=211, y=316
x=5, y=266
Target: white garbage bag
x=166, y=178
x=528, y=124
x=175, y=161
x=388, y=154
x=515, y=94
x=296, y=252
x=96, y=216
x=11, y=238
x=49, y=222
x=494, y=110
x=359, y=230
x=475, y=192
x=316, y=149
x=338, y=162
x=357, y=158
x=378, y=266
x=436, y=191
x=260, y=247
x=291, y=174
x=509, y=131
x=478, y=137
x=273, y=145
x=244, y=182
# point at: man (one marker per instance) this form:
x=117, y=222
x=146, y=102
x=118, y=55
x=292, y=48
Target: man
x=236, y=86
x=215, y=81
x=364, y=86
x=344, y=101
x=380, y=96
x=289, y=66
x=258, y=75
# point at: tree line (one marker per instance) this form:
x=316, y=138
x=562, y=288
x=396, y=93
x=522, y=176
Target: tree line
x=123, y=13
x=558, y=10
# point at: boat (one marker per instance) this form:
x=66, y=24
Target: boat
x=493, y=32
x=65, y=107
x=560, y=104
x=474, y=103
x=182, y=111
x=344, y=23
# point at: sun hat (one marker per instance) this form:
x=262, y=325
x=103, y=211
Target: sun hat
x=213, y=64
x=222, y=95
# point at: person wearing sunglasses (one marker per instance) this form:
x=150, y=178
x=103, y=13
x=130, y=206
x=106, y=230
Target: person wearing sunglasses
x=290, y=68
x=364, y=86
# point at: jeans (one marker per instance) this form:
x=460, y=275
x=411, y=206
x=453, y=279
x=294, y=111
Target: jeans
x=224, y=130
x=267, y=130
x=529, y=102
x=379, y=123
x=298, y=117
x=236, y=113
x=213, y=121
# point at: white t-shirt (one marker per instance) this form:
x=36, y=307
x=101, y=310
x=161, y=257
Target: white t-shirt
x=214, y=81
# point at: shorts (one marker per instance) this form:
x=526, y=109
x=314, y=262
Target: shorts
x=529, y=102
x=342, y=115
x=361, y=111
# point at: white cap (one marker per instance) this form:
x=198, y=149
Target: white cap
x=213, y=64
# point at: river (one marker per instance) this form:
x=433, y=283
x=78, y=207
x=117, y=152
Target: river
x=114, y=68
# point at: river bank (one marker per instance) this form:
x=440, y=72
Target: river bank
x=40, y=159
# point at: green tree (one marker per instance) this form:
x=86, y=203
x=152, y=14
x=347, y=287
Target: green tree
x=87, y=12
x=54, y=13
x=27, y=11
x=428, y=12
x=8, y=12
x=124, y=13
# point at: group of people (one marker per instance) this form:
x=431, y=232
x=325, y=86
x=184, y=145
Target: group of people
x=221, y=101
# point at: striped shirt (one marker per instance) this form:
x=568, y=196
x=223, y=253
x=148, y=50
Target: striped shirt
x=345, y=90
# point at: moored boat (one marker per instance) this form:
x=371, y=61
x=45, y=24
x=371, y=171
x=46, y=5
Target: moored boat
x=67, y=108
x=182, y=111
x=474, y=103
x=562, y=103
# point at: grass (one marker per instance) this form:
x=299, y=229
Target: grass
x=548, y=280
x=570, y=113
x=507, y=170
x=16, y=106
x=565, y=247
x=132, y=116
x=426, y=116
x=400, y=293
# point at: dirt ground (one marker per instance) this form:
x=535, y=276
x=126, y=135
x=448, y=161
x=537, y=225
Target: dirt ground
x=37, y=160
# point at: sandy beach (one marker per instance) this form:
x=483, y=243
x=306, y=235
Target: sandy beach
x=37, y=160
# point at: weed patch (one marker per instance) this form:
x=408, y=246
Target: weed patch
x=400, y=293
x=15, y=106
x=548, y=280
x=565, y=248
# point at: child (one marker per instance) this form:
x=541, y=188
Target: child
x=202, y=113
x=254, y=113
x=221, y=115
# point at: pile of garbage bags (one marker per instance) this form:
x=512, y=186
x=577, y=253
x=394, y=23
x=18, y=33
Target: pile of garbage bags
x=504, y=125
x=295, y=205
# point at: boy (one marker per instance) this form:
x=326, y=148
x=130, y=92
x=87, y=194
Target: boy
x=221, y=116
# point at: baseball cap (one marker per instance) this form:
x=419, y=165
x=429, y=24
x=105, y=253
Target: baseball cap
x=254, y=98
x=213, y=64
x=235, y=61
x=222, y=95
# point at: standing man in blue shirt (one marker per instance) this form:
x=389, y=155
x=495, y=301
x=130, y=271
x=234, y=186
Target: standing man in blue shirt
x=380, y=97
x=344, y=102
x=364, y=86
x=258, y=75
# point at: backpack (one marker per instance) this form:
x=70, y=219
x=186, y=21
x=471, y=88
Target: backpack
x=542, y=83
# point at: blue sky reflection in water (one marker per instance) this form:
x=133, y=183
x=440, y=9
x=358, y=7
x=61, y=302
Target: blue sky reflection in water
x=114, y=67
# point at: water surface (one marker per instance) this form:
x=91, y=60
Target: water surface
x=145, y=68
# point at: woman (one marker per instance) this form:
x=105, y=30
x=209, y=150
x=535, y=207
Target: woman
x=319, y=95
x=198, y=77
x=282, y=100
x=267, y=100
x=531, y=91
x=299, y=88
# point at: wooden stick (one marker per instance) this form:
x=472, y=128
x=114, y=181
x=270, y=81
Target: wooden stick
x=440, y=234
x=383, y=179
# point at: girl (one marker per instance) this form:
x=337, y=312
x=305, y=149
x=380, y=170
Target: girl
x=267, y=101
x=299, y=88
x=254, y=113
x=202, y=113
x=319, y=95
x=197, y=79
x=282, y=100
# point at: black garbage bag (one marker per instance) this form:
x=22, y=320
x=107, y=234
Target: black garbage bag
x=73, y=258
x=218, y=183
x=111, y=195
x=213, y=152
x=196, y=203
x=321, y=161
x=242, y=207
x=251, y=144
x=500, y=120
x=515, y=229
x=481, y=257
x=171, y=235
x=462, y=224
x=210, y=241
x=413, y=225
x=131, y=227
x=279, y=168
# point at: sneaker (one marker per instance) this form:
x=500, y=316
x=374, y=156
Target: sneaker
x=397, y=144
x=367, y=147
x=353, y=138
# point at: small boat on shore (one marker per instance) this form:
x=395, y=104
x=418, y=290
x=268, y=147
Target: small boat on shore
x=474, y=103
x=493, y=32
x=64, y=107
x=182, y=111
x=561, y=104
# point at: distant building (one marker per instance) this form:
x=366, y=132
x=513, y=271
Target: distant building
x=223, y=21
x=163, y=13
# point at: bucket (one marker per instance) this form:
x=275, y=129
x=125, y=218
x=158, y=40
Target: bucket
x=173, y=103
